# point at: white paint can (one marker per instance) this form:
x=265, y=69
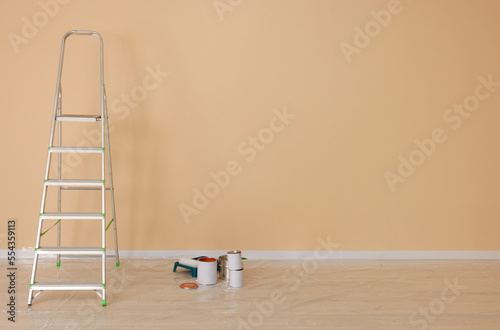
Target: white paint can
x=207, y=271
x=236, y=278
x=234, y=260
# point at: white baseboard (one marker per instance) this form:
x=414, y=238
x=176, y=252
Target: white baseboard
x=292, y=255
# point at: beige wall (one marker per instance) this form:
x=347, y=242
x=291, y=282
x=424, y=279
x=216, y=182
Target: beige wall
x=322, y=174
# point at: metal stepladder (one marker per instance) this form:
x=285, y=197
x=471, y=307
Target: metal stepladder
x=76, y=184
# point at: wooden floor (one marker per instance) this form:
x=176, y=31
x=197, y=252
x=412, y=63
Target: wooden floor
x=276, y=295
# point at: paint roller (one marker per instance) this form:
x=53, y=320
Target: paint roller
x=188, y=262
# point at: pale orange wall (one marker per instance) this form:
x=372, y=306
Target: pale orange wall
x=323, y=173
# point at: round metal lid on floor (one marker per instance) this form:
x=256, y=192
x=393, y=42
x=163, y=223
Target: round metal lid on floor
x=189, y=285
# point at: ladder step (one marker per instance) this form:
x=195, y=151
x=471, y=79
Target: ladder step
x=71, y=216
x=74, y=182
x=70, y=250
x=80, y=118
x=76, y=149
x=67, y=286
x=83, y=188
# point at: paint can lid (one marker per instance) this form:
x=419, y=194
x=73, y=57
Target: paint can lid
x=189, y=285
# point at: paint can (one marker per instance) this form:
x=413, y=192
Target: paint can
x=234, y=260
x=223, y=268
x=236, y=278
x=207, y=271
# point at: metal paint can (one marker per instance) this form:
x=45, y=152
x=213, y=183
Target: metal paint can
x=223, y=268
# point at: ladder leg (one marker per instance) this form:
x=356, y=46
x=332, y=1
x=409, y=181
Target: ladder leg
x=33, y=274
x=59, y=156
x=116, y=237
x=111, y=185
x=103, y=242
x=58, y=262
x=104, y=259
x=30, y=293
x=39, y=235
x=103, y=176
x=35, y=258
x=30, y=296
x=104, y=277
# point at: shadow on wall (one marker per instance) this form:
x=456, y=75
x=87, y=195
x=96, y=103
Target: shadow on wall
x=136, y=135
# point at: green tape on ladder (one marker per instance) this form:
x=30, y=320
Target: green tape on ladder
x=50, y=227
x=109, y=224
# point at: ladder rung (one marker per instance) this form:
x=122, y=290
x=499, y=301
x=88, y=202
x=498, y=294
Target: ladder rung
x=81, y=118
x=74, y=182
x=67, y=286
x=70, y=250
x=71, y=216
x=76, y=149
x=83, y=188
